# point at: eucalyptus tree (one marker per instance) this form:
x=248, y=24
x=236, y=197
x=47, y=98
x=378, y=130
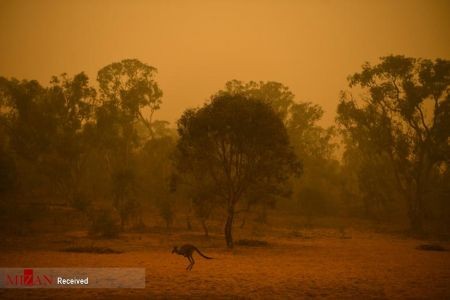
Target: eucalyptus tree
x=239, y=143
x=129, y=97
x=402, y=117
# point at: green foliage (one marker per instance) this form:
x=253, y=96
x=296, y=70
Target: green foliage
x=127, y=87
x=239, y=143
x=70, y=143
x=166, y=210
x=8, y=174
x=204, y=201
x=124, y=195
x=311, y=142
x=277, y=95
x=46, y=127
x=403, y=122
x=300, y=118
x=156, y=174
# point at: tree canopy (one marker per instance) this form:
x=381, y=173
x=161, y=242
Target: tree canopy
x=239, y=142
x=403, y=118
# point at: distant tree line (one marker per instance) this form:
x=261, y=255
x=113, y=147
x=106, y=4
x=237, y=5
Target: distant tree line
x=99, y=150
x=397, y=136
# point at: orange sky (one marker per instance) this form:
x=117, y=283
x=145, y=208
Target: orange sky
x=310, y=46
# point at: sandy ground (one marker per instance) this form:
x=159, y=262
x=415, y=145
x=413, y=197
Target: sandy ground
x=370, y=266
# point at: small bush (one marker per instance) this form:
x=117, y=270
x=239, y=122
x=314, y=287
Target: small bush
x=103, y=224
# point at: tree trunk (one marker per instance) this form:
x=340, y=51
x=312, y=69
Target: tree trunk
x=188, y=223
x=416, y=212
x=417, y=207
x=416, y=223
x=263, y=214
x=188, y=217
x=228, y=228
x=168, y=223
x=243, y=222
x=205, y=228
x=122, y=222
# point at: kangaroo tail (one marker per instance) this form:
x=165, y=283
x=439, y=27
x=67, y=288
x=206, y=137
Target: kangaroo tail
x=202, y=254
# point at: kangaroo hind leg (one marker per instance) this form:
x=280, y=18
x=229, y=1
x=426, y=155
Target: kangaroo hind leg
x=192, y=262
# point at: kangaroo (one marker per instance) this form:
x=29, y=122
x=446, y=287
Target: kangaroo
x=187, y=251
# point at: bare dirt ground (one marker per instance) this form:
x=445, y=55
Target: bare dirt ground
x=316, y=264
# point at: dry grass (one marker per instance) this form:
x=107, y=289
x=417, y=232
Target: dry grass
x=368, y=265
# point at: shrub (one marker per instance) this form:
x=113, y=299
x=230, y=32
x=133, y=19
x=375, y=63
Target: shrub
x=103, y=224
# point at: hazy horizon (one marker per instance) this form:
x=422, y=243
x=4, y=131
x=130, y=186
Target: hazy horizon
x=199, y=45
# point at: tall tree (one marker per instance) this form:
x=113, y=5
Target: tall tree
x=130, y=86
x=311, y=142
x=128, y=91
x=46, y=127
x=72, y=101
x=240, y=143
x=404, y=117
